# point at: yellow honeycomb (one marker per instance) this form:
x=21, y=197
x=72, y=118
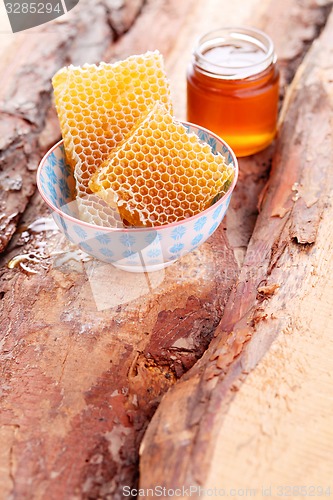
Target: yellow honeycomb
x=97, y=108
x=160, y=173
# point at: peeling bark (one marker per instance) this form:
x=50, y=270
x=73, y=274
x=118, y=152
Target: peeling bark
x=282, y=249
x=81, y=382
x=93, y=379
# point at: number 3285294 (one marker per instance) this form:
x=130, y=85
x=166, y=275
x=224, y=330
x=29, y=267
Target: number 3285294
x=32, y=8
x=303, y=491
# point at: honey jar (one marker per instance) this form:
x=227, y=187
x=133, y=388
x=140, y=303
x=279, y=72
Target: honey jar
x=233, y=87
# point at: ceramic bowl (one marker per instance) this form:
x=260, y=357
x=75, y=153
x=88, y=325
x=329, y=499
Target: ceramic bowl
x=130, y=249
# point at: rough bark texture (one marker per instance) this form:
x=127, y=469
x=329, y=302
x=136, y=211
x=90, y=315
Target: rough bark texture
x=27, y=125
x=85, y=361
x=211, y=434
x=80, y=384
x=86, y=351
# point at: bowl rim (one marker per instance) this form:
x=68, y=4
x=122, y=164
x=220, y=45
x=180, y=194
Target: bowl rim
x=139, y=229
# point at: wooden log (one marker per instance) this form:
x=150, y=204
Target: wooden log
x=83, y=375
x=256, y=410
x=81, y=380
x=80, y=384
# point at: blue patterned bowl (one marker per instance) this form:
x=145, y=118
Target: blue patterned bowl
x=130, y=249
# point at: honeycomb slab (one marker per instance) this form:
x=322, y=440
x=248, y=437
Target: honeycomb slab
x=97, y=107
x=161, y=174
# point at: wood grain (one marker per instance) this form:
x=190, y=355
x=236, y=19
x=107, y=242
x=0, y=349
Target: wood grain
x=252, y=412
x=87, y=352
x=82, y=375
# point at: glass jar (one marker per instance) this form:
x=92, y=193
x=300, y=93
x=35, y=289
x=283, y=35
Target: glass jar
x=233, y=88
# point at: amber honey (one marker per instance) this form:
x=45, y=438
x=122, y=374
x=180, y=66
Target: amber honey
x=233, y=88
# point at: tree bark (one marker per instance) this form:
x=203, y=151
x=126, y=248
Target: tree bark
x=256, y=409
x=85, y=361
x=86, y=351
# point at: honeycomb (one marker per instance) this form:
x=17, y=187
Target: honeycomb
x=97, y=108
x=160, y=173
